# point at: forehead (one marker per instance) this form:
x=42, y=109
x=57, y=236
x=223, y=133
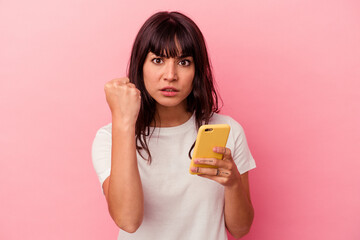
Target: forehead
x=166, y=45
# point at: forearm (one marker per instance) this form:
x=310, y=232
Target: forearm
x=239, y=212
x=125, y=195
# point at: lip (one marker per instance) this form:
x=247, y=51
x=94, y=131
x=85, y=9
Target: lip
x=171, y=88
x=169, y=91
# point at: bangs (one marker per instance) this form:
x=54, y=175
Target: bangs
x=171, y=40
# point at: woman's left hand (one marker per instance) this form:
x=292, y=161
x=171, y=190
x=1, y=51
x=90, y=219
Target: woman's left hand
x=226, y=172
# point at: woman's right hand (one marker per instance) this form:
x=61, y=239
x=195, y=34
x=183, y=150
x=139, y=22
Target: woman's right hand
x=124, y=99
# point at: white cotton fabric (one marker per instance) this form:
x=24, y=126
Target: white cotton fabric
x=177, y=205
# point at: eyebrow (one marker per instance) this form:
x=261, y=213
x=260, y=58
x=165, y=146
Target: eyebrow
x=178, y=57
x=184, y=56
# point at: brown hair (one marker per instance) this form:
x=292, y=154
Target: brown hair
x=158, y=35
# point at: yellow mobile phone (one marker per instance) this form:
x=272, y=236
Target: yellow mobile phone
x=209, y=136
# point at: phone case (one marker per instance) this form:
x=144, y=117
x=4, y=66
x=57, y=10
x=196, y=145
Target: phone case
x=209, y=136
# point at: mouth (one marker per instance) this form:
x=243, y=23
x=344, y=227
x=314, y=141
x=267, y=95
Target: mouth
x=169, y=89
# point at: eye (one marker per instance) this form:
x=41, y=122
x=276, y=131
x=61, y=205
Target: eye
x=157, y=60
x=185, y=62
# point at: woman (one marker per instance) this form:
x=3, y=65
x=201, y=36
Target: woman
x=142, y=158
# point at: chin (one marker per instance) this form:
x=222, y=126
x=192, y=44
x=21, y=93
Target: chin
x=171, y=103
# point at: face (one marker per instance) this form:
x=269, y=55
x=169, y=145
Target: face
x=169, y=80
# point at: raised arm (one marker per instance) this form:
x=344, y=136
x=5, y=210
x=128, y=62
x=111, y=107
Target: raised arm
x=123, y=188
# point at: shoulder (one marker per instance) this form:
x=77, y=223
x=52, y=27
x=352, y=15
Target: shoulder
x=104, y=129
x=101, y=152
x=102, y=139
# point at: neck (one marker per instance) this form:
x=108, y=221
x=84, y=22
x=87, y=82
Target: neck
x=170, y=117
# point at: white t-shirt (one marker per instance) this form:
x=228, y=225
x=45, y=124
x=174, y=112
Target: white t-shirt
x=177, y=205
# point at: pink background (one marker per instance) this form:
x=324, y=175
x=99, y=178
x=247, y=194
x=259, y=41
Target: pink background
x=287, y=70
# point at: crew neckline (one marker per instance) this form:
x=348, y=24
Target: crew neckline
x=176, y=129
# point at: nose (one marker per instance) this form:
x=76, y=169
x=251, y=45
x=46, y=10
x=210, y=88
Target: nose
x=170, y=71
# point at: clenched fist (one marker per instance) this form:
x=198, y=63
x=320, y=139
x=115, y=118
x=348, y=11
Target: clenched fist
x=124, y=99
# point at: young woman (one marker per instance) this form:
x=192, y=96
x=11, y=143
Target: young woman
x=142, y=157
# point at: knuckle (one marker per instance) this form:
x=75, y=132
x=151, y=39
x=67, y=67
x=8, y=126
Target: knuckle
x=134, y=92
x=119, y=80
x=114, y=81
x=119, y=88
x=228, y=151
x=124, y=80
x=230, y=166
x=114, y=85
x=107, y=85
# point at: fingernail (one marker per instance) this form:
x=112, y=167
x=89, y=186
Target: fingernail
x=196, y=160
x=193, y=169
x=215, y=149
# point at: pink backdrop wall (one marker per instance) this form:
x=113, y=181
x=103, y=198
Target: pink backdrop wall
x=287, y=70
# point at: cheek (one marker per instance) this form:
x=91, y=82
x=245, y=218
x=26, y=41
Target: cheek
x=148, y=76
x=190, y=80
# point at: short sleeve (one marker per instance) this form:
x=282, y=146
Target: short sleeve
x=101, y=154
x=241, y=152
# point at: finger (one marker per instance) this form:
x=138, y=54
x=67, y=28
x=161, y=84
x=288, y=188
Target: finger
x=120, y=81
x=206, y=171
x=219, y=173
x=215, y=178
x=124, y=80
x=223, y=150
x=131, y=85
x=213, y=162
x=223, y=173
